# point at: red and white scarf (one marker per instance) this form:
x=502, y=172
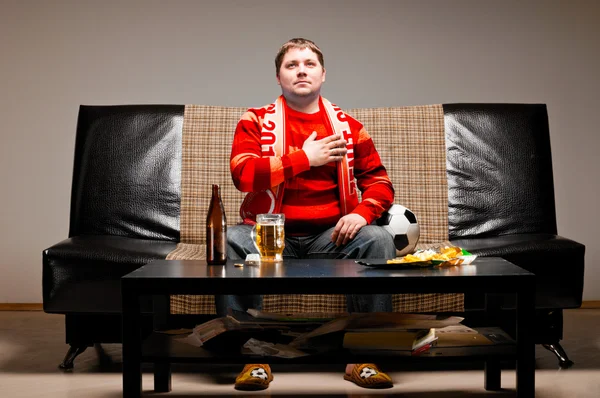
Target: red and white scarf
x=272, y=137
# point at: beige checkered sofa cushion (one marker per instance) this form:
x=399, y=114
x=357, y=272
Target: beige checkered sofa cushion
x=410, y=141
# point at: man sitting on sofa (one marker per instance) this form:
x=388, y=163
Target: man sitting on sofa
x=300, y=157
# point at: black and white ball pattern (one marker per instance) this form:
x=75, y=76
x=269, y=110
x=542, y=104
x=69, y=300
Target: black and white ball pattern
x=367, y=372
x=402, y=224
x=259, y=373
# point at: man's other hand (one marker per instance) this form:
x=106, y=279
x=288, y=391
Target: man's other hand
x=323, y=151
x=347, y=228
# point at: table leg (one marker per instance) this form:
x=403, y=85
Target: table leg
x=162, y=370
x=160, y=311
x=492, y=371
x=492, y=375
x=162, y=377
x=525, y=345
x=132, y=344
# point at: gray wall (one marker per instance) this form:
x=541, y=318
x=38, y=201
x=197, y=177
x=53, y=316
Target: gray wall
x=57, y=55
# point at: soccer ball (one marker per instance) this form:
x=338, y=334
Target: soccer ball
x=260, y=373
x=367, y=372
x=402, y=224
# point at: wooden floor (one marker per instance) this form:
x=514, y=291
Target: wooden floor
x=32, y=345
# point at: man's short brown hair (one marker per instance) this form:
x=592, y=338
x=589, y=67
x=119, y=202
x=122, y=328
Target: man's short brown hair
x=301, y=44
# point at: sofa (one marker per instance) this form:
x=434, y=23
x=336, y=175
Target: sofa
x=476, y=175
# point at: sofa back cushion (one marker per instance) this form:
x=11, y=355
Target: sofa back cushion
x=410, y=141
x=127, y=171
x=206, y=146
x=499, y=170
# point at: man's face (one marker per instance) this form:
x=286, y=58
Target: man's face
x=301, y=74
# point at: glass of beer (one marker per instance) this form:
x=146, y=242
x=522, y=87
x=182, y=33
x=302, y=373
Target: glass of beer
x=269, y=236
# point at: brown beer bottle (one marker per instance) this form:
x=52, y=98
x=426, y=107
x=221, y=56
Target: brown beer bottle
x=216, y=230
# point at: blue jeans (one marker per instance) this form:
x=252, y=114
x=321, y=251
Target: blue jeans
x=372, y=241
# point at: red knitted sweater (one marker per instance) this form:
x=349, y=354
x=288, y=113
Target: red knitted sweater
x=311, y=197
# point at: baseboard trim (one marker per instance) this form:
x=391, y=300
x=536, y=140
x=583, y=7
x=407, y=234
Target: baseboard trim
x=21, y=307
x=591, y=304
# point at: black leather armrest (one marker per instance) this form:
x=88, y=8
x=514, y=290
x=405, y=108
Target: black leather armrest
x=557, y=262
x=82, y=273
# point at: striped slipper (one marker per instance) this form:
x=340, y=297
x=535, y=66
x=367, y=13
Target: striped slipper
x=368, y=375
x=254, y=377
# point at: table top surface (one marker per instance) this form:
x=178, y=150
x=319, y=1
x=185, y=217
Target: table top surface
x=318, y=268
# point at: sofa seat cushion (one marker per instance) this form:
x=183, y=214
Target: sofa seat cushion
x=82, y=273
x=557, y=262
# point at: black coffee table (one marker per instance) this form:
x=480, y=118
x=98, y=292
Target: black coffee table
x=167, y=277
